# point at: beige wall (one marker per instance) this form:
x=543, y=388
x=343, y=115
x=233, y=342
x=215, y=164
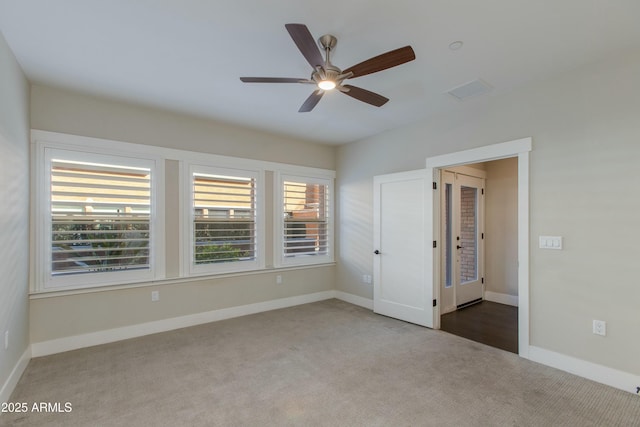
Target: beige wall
x=64, y=111
x=66, y=316
x=583, y=183
x=55, y=317
x=14, y=215
x=501, y=226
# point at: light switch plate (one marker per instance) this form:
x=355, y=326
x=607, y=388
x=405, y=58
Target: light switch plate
x=550, y=242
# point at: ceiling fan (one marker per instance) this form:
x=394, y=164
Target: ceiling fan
x=327, y=76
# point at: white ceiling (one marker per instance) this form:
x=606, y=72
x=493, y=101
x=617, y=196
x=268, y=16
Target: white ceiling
x=187, y=55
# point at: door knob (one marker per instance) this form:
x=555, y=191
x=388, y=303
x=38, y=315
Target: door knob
x=458, y=247
x=377, y=252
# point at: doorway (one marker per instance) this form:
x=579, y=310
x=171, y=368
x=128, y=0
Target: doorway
x=519, y=151
x=479, y=217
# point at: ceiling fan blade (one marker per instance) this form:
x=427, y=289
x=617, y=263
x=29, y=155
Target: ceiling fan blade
x=382, y=62
x=364, y=95
x=311, y=101
x=307, y=45
x=274, y=80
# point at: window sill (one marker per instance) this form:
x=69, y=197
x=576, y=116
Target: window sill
x=52, y=293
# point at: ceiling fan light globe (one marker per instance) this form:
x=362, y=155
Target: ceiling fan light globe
x=327, y=85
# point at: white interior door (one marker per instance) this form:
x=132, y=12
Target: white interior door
x=403, y=236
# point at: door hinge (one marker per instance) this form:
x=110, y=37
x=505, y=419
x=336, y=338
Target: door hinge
x=435, y=186
x=483, y=280
x=483, y=191
x=482, y=236
x=435, y=244
x=434, y=303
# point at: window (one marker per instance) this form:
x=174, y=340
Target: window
x=305, y=228
x=98, y=224
x=224, y=233
x=99, y=209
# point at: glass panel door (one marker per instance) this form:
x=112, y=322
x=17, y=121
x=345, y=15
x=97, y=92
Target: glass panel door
x=468, y=217
x=468, y=234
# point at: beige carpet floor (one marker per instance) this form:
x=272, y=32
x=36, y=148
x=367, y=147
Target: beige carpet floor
x=323, y=364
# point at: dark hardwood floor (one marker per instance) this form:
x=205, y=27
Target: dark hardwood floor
x=486, y=322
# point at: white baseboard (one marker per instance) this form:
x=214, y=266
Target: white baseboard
x=75, y=342
x=354, y=299
x=501, y=298
x=592, y=371
x=10, y=384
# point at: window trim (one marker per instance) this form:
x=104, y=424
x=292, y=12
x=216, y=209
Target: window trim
x=44, y=153
x=189, y=268
x=313, y=176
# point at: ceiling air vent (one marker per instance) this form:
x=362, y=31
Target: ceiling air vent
x=471, y=89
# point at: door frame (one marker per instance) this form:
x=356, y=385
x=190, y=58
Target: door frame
x=519, y=148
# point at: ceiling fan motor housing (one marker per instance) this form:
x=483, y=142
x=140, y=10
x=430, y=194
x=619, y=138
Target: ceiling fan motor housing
x=328, y=72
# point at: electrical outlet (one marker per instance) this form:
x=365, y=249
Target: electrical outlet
x=155, y=296
x=600, y=327
x=6, y=340
x=278, y=280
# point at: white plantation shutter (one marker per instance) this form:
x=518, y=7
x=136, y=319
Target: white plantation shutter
x=224, y=233
x=306, y=228
x=100, y=217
